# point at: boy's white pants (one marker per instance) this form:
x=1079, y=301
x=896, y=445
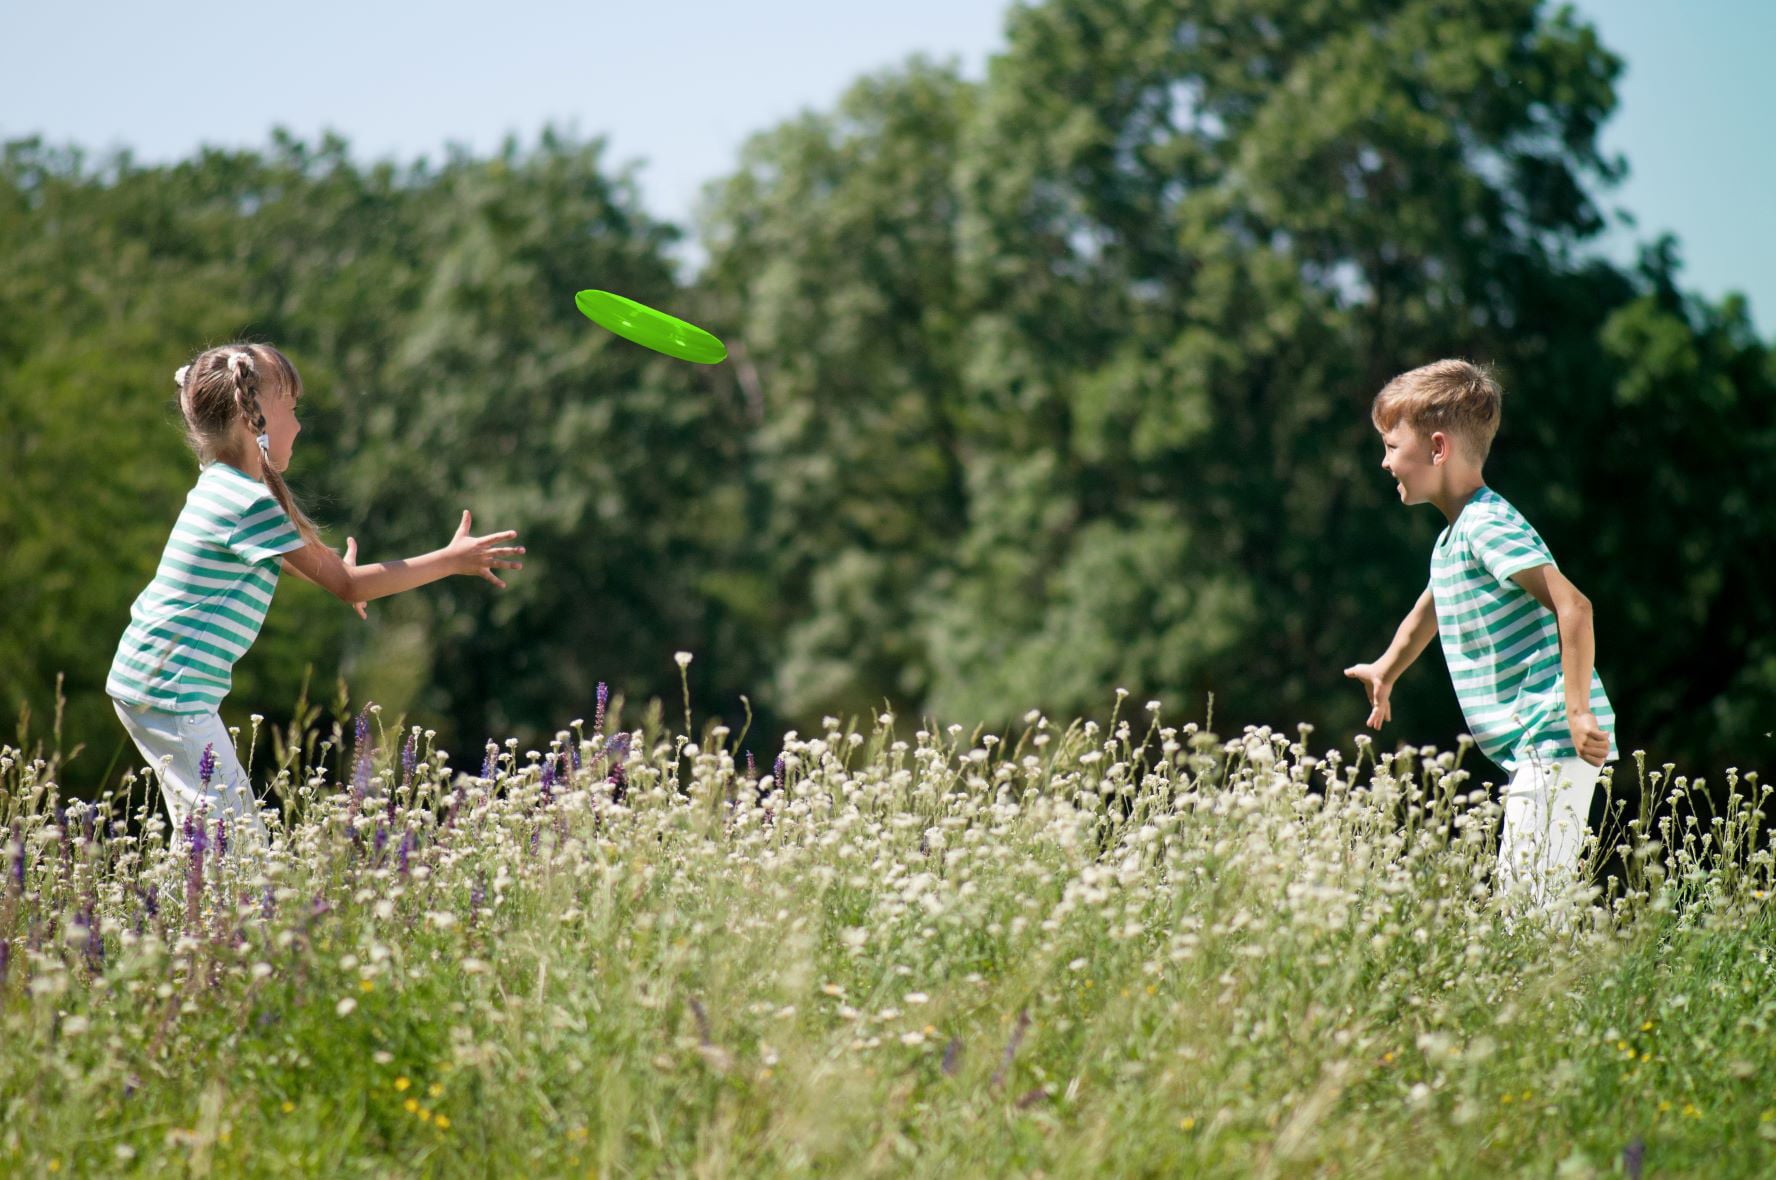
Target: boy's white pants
x=1547, y=810
x=173, y=744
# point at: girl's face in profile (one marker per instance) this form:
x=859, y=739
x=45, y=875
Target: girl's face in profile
x=281, y=426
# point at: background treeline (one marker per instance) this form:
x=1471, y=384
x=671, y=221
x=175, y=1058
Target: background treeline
x=1041, y=386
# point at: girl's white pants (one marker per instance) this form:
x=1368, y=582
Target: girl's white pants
x=1547, y=809
x=174, y=744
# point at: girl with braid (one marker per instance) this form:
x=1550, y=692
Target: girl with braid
x=220, y=567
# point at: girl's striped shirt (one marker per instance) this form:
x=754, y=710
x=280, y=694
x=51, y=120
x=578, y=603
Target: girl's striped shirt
x=1503, y=646
x=208, y=599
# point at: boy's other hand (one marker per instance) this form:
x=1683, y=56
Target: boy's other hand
x=1588, y=736
x=351, y=561
x=1378, y=687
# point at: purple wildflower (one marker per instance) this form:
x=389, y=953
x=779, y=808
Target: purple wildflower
x=604, y=693
x=478, y=893
x=409, y=758
x=16, y=873
x=221, y=838
x=490, y=763
x=406, y=850
x=573, y=755
x=619, y=778
x=194, y=879
x=206, y=766
x=95, y=945
x=268, y=904
x=752, y=767
x=151, y=901
x=778, y=773
x=361, y=755
x=382, y=839
x=548, y=780
x=5, y=958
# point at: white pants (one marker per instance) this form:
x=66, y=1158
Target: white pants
x=174, y=744
x=1547, y=809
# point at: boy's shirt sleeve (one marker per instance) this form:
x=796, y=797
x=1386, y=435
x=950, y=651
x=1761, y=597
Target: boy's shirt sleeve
x=1506, y=547
x=264, y=531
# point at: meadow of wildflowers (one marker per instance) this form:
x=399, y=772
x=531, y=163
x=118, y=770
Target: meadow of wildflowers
x=1066, y=950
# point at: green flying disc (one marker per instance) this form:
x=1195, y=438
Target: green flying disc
x=650, y=328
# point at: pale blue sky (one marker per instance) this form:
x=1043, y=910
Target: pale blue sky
x=681, y=85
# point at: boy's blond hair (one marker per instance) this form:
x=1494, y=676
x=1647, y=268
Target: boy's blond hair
x=1457, y=397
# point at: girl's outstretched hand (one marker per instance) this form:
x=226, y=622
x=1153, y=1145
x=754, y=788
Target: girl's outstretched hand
x=483, y=555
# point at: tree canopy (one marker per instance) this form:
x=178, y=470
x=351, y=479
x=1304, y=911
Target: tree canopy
x=1043, y=384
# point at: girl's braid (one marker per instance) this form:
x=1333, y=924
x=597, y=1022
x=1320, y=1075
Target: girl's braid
x=246, y=389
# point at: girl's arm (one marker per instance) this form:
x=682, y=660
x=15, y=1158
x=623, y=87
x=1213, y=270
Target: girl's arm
x=360, y=583
x=351, y=561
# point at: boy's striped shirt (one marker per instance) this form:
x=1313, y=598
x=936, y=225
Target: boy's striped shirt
x=1502, y=646
x=208, y=599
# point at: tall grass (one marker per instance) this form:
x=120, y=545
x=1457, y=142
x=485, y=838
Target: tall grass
x=1134, y=950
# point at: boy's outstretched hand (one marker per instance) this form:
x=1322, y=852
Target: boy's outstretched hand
x=483, y=555
x=1378, y=687
x=1588, y=736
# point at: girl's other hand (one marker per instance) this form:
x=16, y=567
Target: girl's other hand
x=351, y=561
x=483, y=555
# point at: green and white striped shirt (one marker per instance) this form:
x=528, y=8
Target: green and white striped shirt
x=1503, y=647
x=208, y=599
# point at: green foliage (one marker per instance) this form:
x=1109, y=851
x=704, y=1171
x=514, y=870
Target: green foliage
x=1046, y=381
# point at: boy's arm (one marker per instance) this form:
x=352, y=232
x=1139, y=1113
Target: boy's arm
x=1548, y=586
x=1415, y=633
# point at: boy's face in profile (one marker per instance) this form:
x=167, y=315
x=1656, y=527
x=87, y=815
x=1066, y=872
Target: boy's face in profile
x=1413, y=460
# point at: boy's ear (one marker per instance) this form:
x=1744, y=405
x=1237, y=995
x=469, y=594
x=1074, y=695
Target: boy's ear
x=1439, y=446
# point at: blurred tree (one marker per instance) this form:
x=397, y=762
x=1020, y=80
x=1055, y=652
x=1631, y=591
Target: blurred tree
x=1042, y=385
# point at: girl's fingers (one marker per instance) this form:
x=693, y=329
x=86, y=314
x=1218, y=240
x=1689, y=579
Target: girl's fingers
x=489, y=575
x=505, y=536
x=506, y=565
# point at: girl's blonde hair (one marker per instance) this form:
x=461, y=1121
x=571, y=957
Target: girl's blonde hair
x=1457, y=397
x=222, y=386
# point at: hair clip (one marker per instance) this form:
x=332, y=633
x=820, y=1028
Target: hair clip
x=265, y=445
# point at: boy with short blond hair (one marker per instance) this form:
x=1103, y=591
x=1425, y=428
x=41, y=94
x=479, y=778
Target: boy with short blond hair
x=1516, y=633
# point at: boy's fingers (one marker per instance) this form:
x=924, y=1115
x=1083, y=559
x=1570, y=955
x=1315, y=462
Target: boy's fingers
x=489, y=575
